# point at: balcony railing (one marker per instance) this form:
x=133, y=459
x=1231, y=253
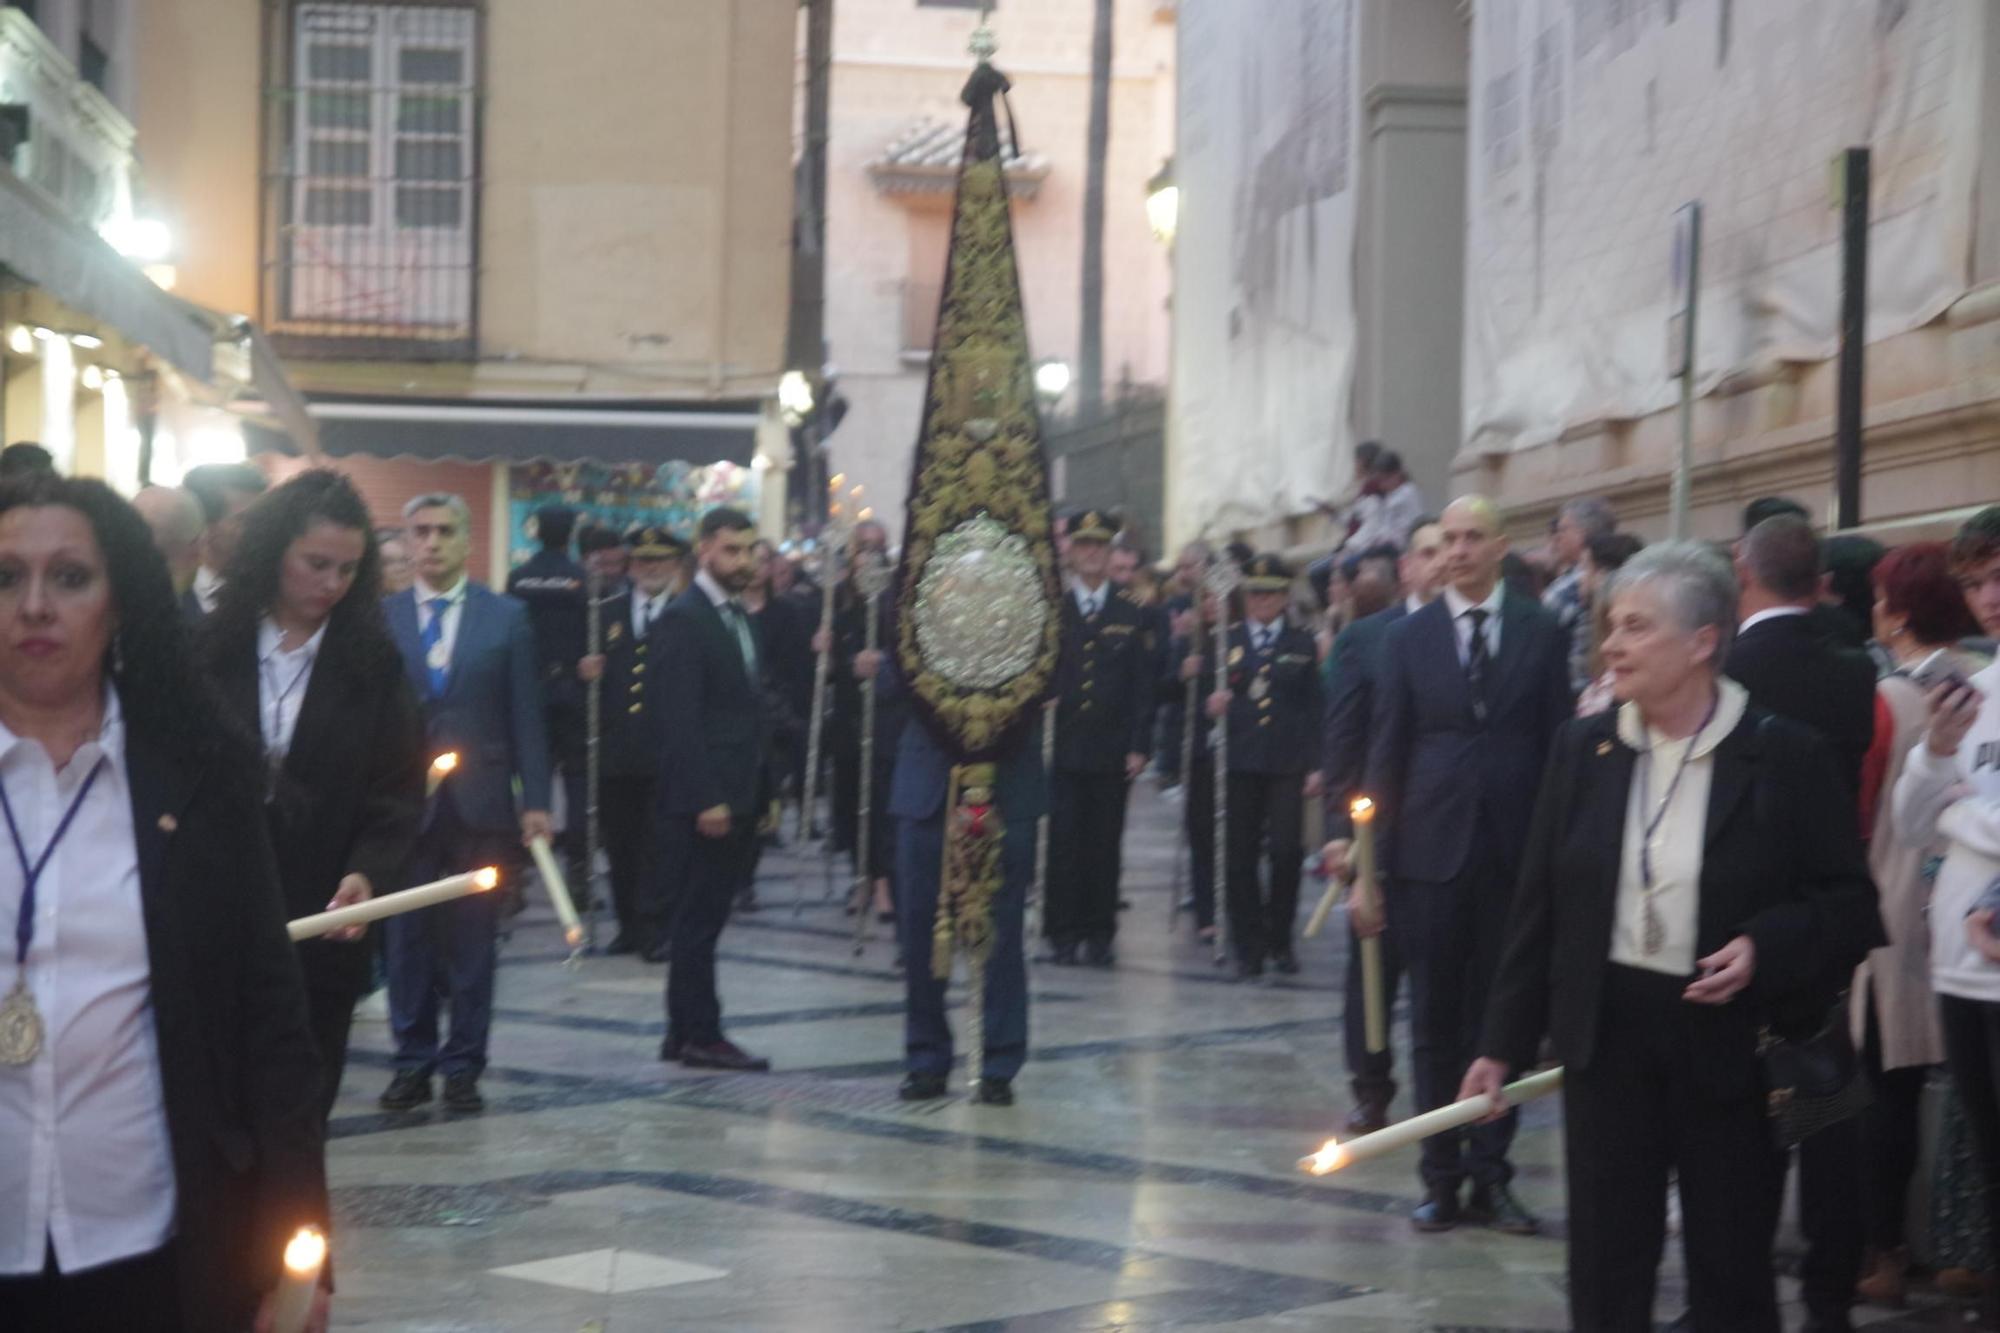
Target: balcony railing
x=372, y=191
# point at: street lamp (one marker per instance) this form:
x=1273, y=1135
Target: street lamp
x=795, y=397
x=1163, y=204
x=1052, y=380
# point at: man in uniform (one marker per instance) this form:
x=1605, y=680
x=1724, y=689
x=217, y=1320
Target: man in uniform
x=1106, y=679
x=556, y=592
x=1273, y=706
x=629, y=756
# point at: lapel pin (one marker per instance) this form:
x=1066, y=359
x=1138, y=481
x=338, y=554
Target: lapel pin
x=1603, y=748
x=169, y=824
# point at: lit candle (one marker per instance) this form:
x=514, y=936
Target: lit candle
x=1368, y=897
x=1363, y=812
x=394, y=904
x=304, y=1258
x=552, y=876
x=442, y=767
x=1333, y=1155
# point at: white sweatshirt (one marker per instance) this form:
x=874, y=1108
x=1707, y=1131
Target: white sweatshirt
x=1959, y=799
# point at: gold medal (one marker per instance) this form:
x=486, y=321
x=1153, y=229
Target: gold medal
x=1260, y=685
x=20, y=1026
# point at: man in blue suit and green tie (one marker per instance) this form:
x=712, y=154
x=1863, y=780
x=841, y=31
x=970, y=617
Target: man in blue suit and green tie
x=470, y=656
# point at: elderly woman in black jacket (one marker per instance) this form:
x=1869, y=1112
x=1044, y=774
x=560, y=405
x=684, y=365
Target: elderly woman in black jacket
x=1694, y=877
x=156, y=1074
x=301, y=652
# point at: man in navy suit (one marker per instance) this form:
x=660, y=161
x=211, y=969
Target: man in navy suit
x=1356, y=662
x=706, y=692
x=470, y=656
x=1468, y=696
x=916, y=799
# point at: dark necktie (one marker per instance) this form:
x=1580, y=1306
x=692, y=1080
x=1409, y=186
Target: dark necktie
x=1475, y=662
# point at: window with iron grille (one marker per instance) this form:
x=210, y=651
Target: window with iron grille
x=375, y=191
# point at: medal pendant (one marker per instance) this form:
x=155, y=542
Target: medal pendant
x=438, y=658
x=20, y=1027
x=1259, y=687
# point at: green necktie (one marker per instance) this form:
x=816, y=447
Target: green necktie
x=745, y=642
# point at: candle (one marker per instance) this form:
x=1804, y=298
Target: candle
x=394, y=904
x=1368, y=897
x=1334, y=1155
x=442, y=767
x=545, y=862
x=304, y=1258
x=1363, y=812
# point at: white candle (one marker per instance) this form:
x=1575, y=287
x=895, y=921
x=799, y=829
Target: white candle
x=1334, y=1155
x=1363, y=811
x=394, y=904
x=304, y=1258
x=1368, y=896
x=552, y=876
x=442, y=767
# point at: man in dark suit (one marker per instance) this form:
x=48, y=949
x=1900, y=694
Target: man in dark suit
x=708, y=698
x=629, y=754
x=556, y=591
x=1105, y=683
x=917, y=800
x=1469, y=693
x=470, y=656
x=1781, y=658
x=1356, y=663
x=1273, y=706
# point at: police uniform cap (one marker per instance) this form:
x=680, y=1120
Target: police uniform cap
x=1093, y=525
x=656, y=543
x=1267, y=573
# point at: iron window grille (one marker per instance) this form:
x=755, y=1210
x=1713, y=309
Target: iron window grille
x=371, y=202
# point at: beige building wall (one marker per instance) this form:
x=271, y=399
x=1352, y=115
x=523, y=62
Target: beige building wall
x=635, y=191
x=896, y=62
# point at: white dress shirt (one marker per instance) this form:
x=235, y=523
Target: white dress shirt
x=1458, y=605
x=86, y=1163
x=1769, y=613
x=1089, y=603
x=207, y=588
x=282, y=681
x=1676, y=844
x=646, y=610
x=1264, y=634
x=453, y=613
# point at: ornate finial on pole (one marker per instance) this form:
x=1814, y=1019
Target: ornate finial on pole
x=984, y=45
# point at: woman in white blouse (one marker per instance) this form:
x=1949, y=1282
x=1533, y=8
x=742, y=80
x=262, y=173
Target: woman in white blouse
x=301, y=652
x=1694, y=875
x=158, y=1141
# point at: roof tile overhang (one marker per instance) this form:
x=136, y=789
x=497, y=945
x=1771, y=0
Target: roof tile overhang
x=924, y=160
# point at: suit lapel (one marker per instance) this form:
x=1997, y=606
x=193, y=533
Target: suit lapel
x=1734, y=777
x=1516, y=615
x=161, y=789
x=321, y=704
x=1442, y=647
x=409, y=641
x=471, y=624
x=1606, y=792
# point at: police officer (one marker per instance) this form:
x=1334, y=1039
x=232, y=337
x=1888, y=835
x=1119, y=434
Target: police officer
x=556, y=592
x=629, y=754
x=1273, y=704
x=1105, y=687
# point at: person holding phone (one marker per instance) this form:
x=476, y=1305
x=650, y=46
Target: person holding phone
x=1950, y=789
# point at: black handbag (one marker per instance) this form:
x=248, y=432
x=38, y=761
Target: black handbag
x=1811, y=1082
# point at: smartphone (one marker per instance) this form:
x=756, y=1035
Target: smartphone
x=1940, y=668
x=1989, y=901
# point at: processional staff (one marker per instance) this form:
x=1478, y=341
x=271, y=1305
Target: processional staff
x=1221, y=582
x=593, y=704
x=832, y=546
x=872, y=577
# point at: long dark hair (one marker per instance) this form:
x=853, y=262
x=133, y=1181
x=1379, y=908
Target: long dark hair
x=250, y=584
x=166, y=701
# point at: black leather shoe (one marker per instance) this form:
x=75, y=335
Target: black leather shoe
x=1498, y=1209
x=922, y=1087
x=1439, y=1212
x=620, y=945
x=657, y=953
x=1064, y=954
x=1367, y=1116
x=1285, y=963
x=746, y=901
x=461, y=1093
x=723, y=1055
x=1098, y=953
x=408, y=1090
x=671, y=1048
x=1248, y=969
x=994, y=1092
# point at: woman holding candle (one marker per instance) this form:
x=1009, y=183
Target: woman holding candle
x=302, y=655
x=157, y=1075
x=1693, y=875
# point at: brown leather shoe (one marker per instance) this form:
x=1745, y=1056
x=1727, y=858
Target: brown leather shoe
x=1367, y=1116
x=723, y=1055
x=1885, y=1278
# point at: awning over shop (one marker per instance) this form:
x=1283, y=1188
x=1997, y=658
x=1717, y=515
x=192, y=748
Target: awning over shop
x=75, y=267
x=537, y=430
